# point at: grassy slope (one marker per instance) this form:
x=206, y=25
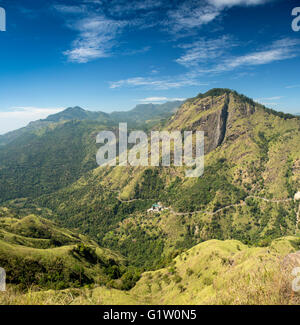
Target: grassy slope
x=35, y=251
x=214, y=272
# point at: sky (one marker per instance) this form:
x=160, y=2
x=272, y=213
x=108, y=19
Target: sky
x=114, y=54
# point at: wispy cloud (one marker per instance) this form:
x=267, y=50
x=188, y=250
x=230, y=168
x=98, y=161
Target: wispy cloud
x=200, y=59
x=68, y=9
x=204, y=59
x=231, y=3
x=191, y=15
x=158, y=84
x=269, y=101
x=97, y=32
x=269, y=98
x=279, y=50
x=99, y=23
x=160, y=99
x=204, y=50
x=194, y=14
x=269, y=104
x=292, y=86
x=95, y=39
x=119, y=8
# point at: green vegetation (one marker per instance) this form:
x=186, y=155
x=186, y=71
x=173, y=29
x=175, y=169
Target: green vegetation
x=244, y=200
x=37, y=253
x=214, y=272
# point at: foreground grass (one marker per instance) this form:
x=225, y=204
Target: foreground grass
x=83, y=296
x=213, y=272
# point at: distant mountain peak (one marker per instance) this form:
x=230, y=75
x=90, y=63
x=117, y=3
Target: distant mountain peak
x=71, y=113
x=74, y=109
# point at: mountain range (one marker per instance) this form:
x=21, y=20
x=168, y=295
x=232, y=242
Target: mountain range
x=241, y=209
x=141, y=114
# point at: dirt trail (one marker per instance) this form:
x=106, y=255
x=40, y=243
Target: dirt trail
x=269, y=200
x=242, y=203
x=235, y=205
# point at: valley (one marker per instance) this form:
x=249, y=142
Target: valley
x=231, y=228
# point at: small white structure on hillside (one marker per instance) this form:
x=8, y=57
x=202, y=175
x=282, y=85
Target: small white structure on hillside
x=297, y=196
x=157, y=207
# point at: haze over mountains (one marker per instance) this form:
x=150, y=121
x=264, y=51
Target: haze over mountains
x=138, y=115
x=244, y=199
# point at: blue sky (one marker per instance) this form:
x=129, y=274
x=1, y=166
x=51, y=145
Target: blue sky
x=113, y=54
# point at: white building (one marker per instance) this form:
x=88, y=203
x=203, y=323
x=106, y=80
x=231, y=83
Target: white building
x=157, y=207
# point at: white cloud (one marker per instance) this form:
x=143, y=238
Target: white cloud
x=18, y=117
x=269, y=104
x=120, y=7
x=204, y=50
x=292, y=86
x=153, y=99
x=201, y=55
x=200, y=59
x=269, y=101
x=158, y=84
x=95, y=39
x=194, y=14
x=191, y=15
x=97, y=33
x=98, y=23
x=159, y=99
x=279, y=50
x=69, y=9
x=269, y=98
x=231, y=3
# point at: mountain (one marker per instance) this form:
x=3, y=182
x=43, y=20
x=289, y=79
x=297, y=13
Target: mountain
x=56, y=151
x=246, y=193
x=230, y=216
x=76, y=113
x=139, y=115
x=147, y=112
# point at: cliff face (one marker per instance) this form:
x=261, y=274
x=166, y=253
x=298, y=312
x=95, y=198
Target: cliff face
x=215, y=115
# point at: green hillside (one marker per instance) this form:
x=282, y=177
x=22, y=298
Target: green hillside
x=213, y=272
x=52, y=153
x=234, y=212
x=246, y=193
x=36, y=253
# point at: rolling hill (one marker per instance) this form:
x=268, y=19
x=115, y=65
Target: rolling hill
x=35, y=252
x=214, y=272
